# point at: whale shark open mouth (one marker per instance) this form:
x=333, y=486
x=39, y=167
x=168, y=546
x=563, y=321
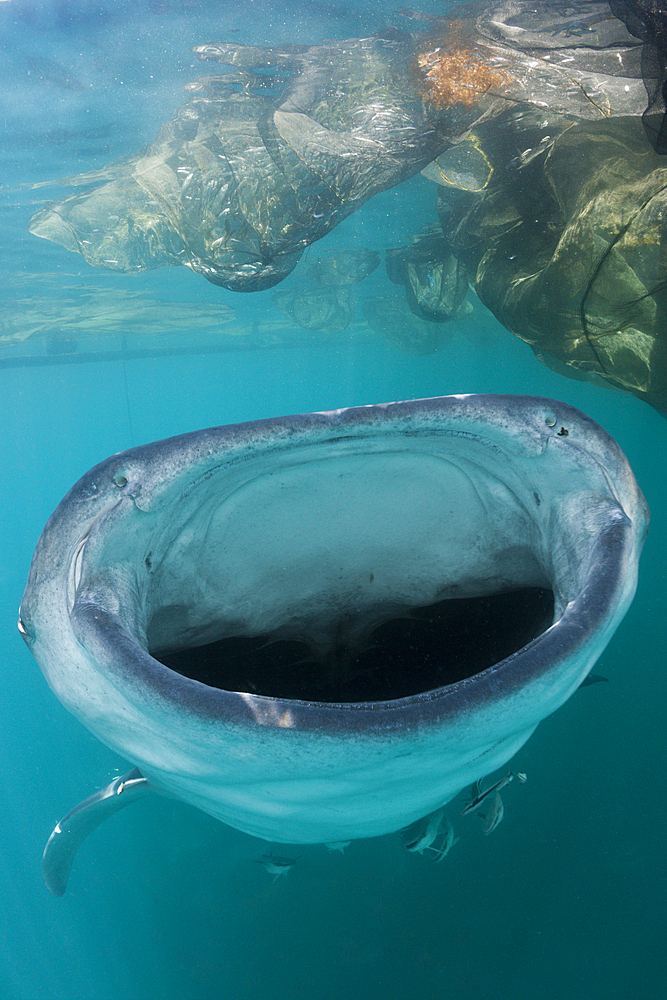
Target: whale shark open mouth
x=323, y=627
x=370, y=574
x=422, y=649
x=339, y=571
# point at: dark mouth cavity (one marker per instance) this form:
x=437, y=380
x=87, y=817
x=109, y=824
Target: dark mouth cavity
x=427, y=648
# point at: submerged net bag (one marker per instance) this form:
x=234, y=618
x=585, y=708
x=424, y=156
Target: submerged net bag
x=647, y=20
x=261, y=161
x=565, y=245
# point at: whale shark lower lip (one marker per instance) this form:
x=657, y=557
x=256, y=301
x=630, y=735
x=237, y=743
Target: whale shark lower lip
x=322, y=627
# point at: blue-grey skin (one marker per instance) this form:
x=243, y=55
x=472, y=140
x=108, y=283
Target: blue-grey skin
x=286, y=525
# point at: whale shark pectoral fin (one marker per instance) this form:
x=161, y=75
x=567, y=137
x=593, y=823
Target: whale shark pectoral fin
x=73, y=829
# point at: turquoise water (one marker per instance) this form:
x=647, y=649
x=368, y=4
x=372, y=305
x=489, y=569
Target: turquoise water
x=567, y=897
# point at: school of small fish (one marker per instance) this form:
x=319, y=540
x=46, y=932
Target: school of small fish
x=433, y=833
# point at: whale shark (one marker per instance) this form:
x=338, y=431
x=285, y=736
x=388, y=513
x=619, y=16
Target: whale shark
x=321, y=628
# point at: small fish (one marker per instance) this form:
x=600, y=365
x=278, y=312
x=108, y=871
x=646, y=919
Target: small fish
x=593, y=679
x=275, y=865
x=432, y=833
x=528, y=155
x=578, y=27
x=493, y=816
x=443, y=845
x=338, y=845
x=478, y=796
x=419, y=836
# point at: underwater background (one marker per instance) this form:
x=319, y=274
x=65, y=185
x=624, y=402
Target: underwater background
x=567, y=897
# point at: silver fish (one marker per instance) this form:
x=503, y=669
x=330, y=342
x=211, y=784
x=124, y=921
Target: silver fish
x=338, y=845
x=478, y=795
x=419, y=836
x=432, y=833
x=276, y=865
x=443, y=845
x=494, y=814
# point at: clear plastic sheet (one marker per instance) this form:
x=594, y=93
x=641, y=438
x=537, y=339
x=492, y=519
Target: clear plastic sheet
x=527, y=115
x=270, y=155
x=260, y=163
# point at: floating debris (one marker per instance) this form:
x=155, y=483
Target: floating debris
x=343, y=267
x=435, y=282
x=259, y=163
x=321, y=309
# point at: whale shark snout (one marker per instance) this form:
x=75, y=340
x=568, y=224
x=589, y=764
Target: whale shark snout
x=322, y=627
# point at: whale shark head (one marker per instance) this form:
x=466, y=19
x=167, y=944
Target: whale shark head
x=322, y=627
